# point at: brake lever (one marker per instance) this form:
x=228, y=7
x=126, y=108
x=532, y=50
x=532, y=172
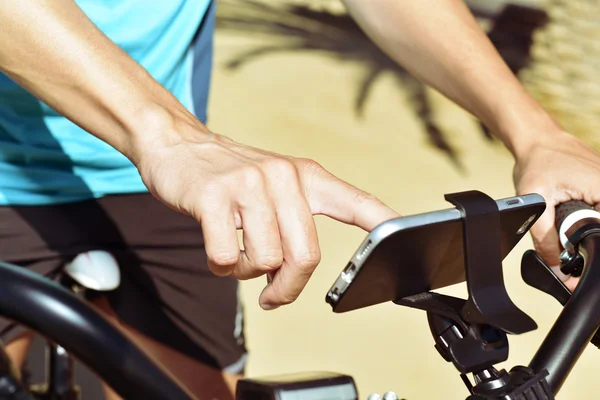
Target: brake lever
x=537, y=274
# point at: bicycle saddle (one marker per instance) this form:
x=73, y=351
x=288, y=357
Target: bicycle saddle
x=97, y=270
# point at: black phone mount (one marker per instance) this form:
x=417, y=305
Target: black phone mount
x=472, y=333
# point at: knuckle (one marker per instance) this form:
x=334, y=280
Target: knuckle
x=252, y=177
x=361, y=197
x=310, y=166
x=308, y=261
x=224, y=258
x=270, y=260
x=281, y=167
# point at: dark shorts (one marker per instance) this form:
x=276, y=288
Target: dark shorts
x=167, y=291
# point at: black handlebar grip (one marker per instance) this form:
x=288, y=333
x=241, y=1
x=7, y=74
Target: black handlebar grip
x=565, y=209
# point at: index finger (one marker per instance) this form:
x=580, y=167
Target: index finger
x=343, y=202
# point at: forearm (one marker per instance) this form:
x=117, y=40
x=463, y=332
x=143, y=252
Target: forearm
x=440, y=42
x=54, y=51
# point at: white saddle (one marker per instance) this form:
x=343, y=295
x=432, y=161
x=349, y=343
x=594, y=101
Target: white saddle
x=97, y=270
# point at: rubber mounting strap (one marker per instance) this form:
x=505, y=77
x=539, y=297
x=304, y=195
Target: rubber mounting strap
x=488, y=301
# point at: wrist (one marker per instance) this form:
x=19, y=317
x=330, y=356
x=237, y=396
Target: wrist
x=521, y=128
x=157, y=127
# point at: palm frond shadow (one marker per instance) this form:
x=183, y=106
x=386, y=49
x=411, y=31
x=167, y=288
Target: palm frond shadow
x=304, y=29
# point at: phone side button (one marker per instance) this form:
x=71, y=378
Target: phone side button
x=349, y=272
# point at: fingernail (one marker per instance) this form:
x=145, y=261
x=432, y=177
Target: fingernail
x=268, y=306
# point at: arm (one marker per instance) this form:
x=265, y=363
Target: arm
x=440, y=42
x=53, y=50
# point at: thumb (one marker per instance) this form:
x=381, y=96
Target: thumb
x=545, y=237
x=544, y=232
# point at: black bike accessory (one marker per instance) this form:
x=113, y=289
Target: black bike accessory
x=311, y=385
x=537, y=274
x=520, y=384
x=470, y=347
x=488, y=301
x=571, y=264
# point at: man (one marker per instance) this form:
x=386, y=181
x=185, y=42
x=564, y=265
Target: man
x=131, y=80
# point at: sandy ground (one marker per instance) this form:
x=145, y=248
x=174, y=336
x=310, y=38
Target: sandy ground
x=301, y=104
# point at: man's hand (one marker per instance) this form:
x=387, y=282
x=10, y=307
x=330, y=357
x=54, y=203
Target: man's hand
x=228, y=186
x=560, y=169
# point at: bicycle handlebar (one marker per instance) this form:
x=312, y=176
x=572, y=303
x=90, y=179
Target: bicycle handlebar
x=565, y=210
x=48, y=308
x=569, y=215
x=580, y=318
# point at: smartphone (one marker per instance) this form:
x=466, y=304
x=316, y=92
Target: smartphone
x=414, y=254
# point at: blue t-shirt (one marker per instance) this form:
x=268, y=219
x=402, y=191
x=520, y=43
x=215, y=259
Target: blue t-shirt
x=46, y=159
